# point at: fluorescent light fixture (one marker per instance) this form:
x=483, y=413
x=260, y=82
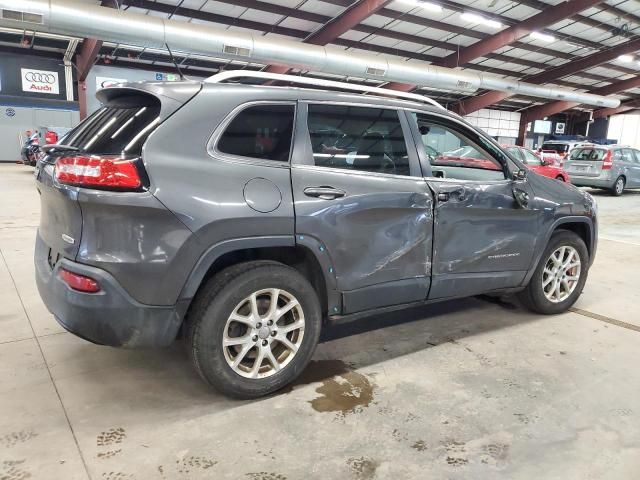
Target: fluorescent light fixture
x=625, y=58
x=433, y=7
x=479, y=19
x=542, y=36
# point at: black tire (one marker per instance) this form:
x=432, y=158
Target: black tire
x=215, y=302
x=560, y=178
x=618, y=186
x=533, y=296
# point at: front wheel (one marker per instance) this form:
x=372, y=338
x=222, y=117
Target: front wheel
x=253, y=328
x=560, y=276
x=560, y=178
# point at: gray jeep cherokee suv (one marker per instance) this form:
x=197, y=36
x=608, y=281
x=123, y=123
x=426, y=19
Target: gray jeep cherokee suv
x=244, y=216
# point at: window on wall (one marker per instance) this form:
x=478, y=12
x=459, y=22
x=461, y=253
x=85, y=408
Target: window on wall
x=260, y=131
x=453, y=155
x=358, y=138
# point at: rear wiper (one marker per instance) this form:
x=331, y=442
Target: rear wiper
x=57, y=150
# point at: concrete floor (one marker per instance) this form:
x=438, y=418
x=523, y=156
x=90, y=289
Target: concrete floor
x=468, y=389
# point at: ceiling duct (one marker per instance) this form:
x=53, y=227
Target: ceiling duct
x=83, y=19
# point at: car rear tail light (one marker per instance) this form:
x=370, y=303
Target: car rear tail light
x=106, y=171
x=607, y=160
x=78, y=282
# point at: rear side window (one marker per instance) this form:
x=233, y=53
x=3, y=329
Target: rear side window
x=118, y=128
x=358, y=138
x=260, y=131
x=593, y=154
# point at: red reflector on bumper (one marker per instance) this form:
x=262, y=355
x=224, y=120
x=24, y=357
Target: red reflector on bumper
x=78, y=282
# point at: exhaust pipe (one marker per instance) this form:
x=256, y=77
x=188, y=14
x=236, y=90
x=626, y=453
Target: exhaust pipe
x=70, y=17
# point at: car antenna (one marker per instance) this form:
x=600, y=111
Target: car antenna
x=182, y=77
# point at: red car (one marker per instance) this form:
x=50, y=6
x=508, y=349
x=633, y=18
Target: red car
x=537, y=164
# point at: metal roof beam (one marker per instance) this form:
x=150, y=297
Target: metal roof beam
x=547, y=109
x=547, y=17
x=471, y=105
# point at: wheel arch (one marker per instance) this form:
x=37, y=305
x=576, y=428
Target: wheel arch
x=580, y=225
x=282, y=249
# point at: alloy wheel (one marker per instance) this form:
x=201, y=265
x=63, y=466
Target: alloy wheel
x=263, y=333
x=561, y=274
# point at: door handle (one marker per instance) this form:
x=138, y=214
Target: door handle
x=325, y=193
x=457, y=193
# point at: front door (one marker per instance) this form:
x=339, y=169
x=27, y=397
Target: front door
x=361, y=202
x=483, y=236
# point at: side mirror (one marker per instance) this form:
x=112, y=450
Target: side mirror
x=520, y=174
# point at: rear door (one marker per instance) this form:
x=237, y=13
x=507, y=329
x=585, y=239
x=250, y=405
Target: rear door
x=636, y=167
x=483, y=238
x=632, y=164
x=118, y=128
x=361, y=202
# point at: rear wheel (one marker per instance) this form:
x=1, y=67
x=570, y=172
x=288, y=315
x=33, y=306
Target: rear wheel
x=560, y=276
x=253, y=328
x=560, y=178
x=618, y=187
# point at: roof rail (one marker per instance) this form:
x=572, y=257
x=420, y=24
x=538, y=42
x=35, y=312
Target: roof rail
x=222, y=76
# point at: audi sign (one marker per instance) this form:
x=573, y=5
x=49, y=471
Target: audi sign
x=39, y=81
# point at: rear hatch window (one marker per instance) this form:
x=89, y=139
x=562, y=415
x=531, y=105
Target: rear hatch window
x=118, y=128
x=587, y=154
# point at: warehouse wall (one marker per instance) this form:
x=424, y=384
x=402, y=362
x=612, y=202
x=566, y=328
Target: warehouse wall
x=14, y=121
x=625, y=129
x=499, y=124
x=22, y=110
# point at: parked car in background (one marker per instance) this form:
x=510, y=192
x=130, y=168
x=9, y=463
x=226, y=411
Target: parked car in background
x=249, y=225
x=30, y=150
x=537, y=164
x=558, y=148
x=614, y=167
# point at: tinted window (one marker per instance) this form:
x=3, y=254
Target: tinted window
x=261, y=131
x=115, y=130
x=453, y=155
x=556, y=147
x=358, y=138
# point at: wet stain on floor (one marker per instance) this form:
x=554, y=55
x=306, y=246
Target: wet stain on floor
x=344, y=394
x=363, y=468
x=317, y=371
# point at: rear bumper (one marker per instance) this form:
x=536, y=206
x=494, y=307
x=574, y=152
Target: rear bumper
x=600, y=182
x=109, y=317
